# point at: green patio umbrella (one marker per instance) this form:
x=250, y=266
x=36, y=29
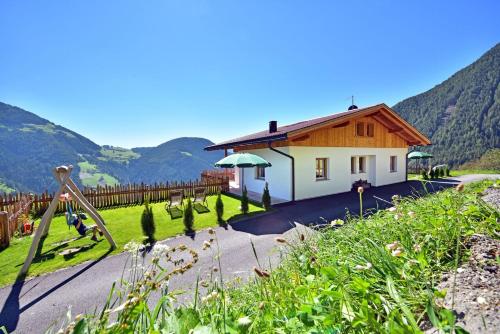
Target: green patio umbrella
x=242, y=160
x=417, y=155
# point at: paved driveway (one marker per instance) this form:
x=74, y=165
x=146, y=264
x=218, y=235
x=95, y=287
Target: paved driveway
x=34, y=305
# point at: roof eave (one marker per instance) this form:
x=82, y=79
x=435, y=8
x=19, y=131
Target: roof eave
x=269, y=139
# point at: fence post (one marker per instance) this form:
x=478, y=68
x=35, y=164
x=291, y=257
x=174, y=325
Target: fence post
x=4, y=228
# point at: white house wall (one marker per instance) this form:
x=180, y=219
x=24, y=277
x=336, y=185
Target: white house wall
x=278, y=176
x=339, y=175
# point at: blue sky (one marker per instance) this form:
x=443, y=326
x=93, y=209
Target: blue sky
x=137, y=73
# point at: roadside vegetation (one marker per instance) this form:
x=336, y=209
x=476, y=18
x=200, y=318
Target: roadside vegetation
x=63, y=247
x=373, y=275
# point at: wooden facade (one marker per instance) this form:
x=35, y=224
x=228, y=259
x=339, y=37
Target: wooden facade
x=342, y=134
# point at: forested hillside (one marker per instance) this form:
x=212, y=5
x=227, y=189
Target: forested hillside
x=461, y=116
x=31, y=146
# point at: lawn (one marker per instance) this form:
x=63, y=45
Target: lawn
x=124, y=225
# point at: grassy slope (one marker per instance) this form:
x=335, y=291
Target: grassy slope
x=93, y=175
x=333, y=293
x=124, y=225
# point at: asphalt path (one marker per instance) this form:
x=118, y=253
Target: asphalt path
x=34, y=305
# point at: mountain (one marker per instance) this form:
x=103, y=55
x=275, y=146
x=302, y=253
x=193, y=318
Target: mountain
x=461, y=116
x=177, y=159
x=30, y=147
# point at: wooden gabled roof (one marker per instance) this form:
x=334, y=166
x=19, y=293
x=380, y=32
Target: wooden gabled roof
x=380, y=112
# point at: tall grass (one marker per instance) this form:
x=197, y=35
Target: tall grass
x=375, y=275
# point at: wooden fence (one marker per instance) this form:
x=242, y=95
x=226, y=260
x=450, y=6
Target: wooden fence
x=13, y=211
x=218, y=174
x=131, y=194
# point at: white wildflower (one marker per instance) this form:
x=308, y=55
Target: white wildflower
x=392, y=209
x=160, y=250
x=244, y=321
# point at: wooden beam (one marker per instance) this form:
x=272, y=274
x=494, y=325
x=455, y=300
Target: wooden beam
x=341, y=125
x=395, y=130
x=301, y=138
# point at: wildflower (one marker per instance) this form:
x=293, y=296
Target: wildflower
x=395, y=198
x=281, y=240
x=133, y=247
x=411, y=214
x=337, y=222
x=417, y=248
x=160, y=250
x=365, y=267
x=261, y=305
x=244, y=321
x=397, y=252
x=392, y=209
x=361, y=190
x=397, y=216
x=206, y=244
x=392, y=246
x=261, y=273
x=460, y=187
x=211, y=231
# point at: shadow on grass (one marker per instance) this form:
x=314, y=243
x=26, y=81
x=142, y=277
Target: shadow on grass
x=11, y=310
x=200, y=208
x=175, y=213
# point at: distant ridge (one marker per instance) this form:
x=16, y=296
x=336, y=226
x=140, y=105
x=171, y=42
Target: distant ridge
x=461, y=115
x=30, y=146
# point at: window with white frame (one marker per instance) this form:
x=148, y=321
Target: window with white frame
x=393, y=164
x=260, y=173
x=353, y=165
x=362, y=164
x=321, y=169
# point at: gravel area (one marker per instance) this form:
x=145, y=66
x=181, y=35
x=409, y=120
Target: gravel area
x=492, y=197
x=476, y=287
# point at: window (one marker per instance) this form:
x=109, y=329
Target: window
x=321, y=166
x=260, y=173
x=370, y=130
x=353, y=165
x=394, y=164
x=360, y=129
x=362, y=164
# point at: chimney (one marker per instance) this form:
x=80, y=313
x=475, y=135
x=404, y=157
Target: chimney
x=273, y=126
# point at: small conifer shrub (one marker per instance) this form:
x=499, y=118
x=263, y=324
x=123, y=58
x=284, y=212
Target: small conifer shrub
x=244, y=201
x=424, y=175
x=188, y=219
x=266, y=198
x=441, y=172
x=431, y=174
x=447, y=171
x=219, y=209
x=148, y=222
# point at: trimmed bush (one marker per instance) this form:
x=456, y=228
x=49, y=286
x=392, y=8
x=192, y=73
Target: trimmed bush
x=244, y=201
x=431, y=174
x=424, y=175
x=188, y=219
x=266, y=198
x=148, y=222
x=219, y=209
x=447, y=171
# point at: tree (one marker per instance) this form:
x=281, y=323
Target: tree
x=219, y=209
x=266, y=198
x=148, y=222
x=244, y=201
x=188, y=217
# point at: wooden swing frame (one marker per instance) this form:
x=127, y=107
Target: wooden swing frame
x=62, y=175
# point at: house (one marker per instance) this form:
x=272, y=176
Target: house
x=328, y=155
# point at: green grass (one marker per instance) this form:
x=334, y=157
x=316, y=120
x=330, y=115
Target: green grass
x=124, y=225
x=5, y=188
x=91, y=177
x=118, y=154
x=373, y=275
